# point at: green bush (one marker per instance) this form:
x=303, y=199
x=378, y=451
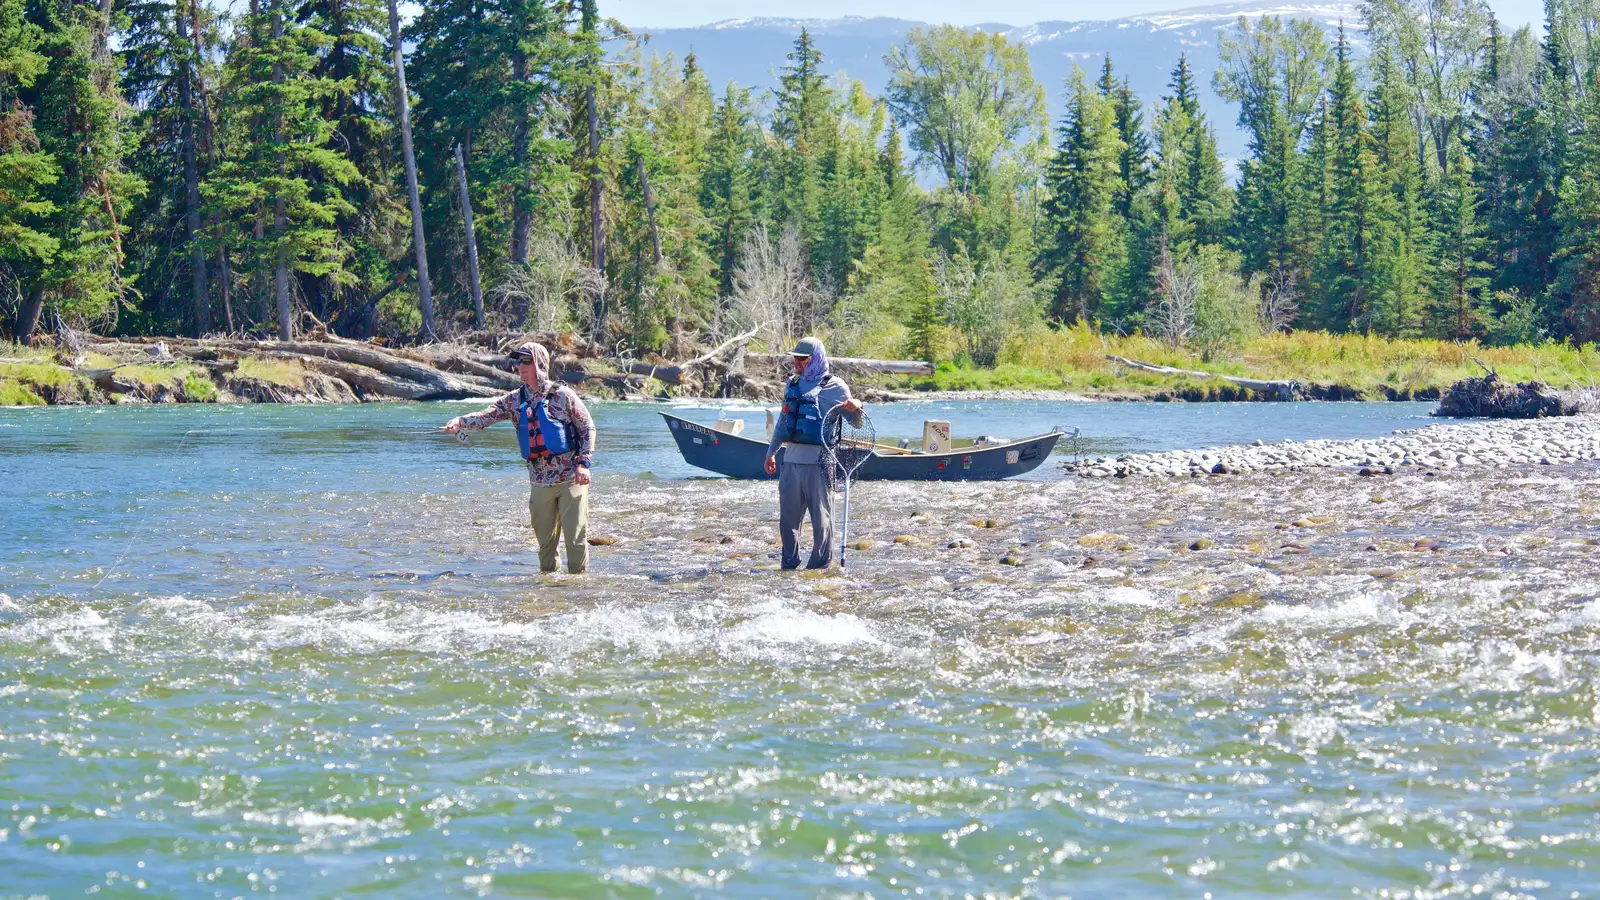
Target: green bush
x=15, y=393
x=199, y=389
x=399, y=314
x=1521, y=322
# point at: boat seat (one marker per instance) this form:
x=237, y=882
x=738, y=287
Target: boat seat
x=904, y=443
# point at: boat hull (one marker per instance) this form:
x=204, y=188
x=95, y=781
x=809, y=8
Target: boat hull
x=737, y=456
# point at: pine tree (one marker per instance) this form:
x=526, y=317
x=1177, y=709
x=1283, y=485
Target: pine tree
x=1133, y=163
x=277, y=193
x=1274, y=71
x=1193, y=201
x=1132, y=203
x=76, y=108
x=1400, y=264
x=1344, y=273
x=1575, y=294
x=852, y=188
x=1458, y=246
x=729, y=183
x=491, y=77
x=1084, y=244
x=1314, y=190
x=164, y=49
x=26, y=173
x=683, y=111
x=805, y=126
x=662, y=274
x=355, y=61
x=892, y=282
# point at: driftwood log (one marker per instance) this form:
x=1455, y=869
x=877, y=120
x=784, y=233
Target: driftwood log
x=473, y=365
x=500, y=343
x=370, y=370
x=1492, y=397
x=1283, y=390
x=715, y=364
x=851, y=364
x=454, y=360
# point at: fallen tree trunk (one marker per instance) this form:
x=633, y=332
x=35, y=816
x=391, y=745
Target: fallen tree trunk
x=667, y=373
x=365, y=380
x=557, y=342
x=848, y=364
x=464, y=364
x=1283, y=390
x=105, y=380
x=364, y=367
x=689, y=371
x=359, y=354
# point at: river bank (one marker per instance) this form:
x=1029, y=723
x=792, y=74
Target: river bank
x=36, y=379
x=1051, y=364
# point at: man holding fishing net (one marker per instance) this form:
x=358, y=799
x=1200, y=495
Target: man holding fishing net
x=556, y=436
x=803, y=483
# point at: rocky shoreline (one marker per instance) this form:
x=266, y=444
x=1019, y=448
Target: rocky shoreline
x=1494, y=444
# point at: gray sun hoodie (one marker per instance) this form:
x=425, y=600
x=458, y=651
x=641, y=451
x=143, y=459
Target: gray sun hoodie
x=833, y=392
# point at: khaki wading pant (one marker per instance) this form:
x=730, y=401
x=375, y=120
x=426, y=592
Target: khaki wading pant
x=803, y=489
x=562, y=508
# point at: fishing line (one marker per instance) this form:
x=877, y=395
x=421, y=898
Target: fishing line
x=144, y=516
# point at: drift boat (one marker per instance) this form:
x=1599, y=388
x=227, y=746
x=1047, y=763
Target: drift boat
x=737, y=456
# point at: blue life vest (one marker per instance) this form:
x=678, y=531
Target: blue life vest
x=807, y=412
x=539, y=435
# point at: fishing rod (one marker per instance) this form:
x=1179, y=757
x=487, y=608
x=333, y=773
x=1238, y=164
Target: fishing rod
x=461, y=436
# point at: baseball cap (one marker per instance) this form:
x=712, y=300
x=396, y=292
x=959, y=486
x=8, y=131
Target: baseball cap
x=806, y=347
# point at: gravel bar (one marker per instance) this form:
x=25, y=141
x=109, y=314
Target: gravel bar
x=1499, y=443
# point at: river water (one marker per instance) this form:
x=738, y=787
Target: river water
x=307, y=650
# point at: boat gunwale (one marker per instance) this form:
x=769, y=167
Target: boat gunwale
x=889, y=452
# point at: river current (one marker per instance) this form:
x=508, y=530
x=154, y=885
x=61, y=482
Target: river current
x=307, y=651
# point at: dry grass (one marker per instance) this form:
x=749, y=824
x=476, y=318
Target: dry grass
x=282, y=372
x=1369, y=365
x=151, y=376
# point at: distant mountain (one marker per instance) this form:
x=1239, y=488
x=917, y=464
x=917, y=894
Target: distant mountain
x=1143, y=48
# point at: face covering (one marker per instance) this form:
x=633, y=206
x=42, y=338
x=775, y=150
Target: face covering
x=541, y=366
x=816, y=368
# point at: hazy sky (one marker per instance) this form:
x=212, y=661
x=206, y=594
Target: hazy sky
x=644, y=13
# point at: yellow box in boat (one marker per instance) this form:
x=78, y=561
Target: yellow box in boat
x=935, y=436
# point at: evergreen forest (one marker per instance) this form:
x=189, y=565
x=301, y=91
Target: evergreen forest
x=170, y=168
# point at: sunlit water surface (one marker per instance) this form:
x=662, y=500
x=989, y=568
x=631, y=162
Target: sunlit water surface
x=307, y=650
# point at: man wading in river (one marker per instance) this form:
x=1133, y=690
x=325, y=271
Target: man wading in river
x=556, y=437
x=803, y=484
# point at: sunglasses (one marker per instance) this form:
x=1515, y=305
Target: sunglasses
x=518, y=361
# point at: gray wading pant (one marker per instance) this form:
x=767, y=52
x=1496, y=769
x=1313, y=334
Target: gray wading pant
x=801, y=489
